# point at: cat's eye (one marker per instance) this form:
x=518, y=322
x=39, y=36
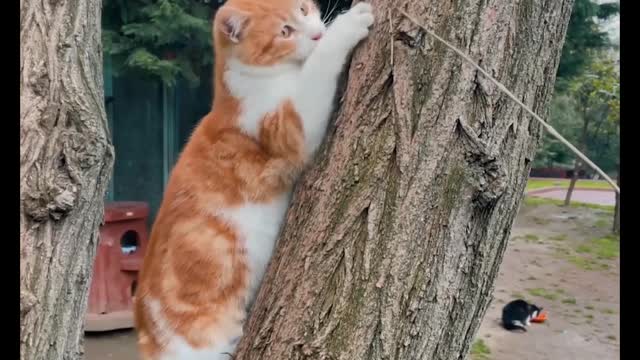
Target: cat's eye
x=303, y=10
x=286, y=31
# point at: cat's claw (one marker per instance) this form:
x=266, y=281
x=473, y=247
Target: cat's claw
x=353, y=26
x=363, y=8
x=362, y=17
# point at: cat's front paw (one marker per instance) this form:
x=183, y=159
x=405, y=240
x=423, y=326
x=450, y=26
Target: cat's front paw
x=353, y=26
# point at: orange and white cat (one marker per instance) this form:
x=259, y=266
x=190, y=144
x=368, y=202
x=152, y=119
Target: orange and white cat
x=276, y=74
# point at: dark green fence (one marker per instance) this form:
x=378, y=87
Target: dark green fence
x=149, y=123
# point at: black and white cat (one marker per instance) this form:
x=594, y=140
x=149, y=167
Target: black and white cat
x=517, y=314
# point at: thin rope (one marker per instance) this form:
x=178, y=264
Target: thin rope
x=547, y=127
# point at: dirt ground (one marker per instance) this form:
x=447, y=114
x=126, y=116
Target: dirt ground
x=560, y=259
x=563, y=261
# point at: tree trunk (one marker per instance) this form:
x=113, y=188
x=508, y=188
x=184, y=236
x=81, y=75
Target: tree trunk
x=577, y=165
x=616, y=214
x=66, y=159
x=395, y=235
x=572, y=183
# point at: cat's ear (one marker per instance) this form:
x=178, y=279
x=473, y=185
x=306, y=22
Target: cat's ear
x=231, y=23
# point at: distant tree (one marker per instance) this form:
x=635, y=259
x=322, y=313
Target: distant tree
x=566, y=119
x=584, y=42
x=163, y=39
x=584, y=38
x=166, y=40
x=597, y=99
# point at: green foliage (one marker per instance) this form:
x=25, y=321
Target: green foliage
x=587, y=90
x=597, y=92
x=584, y=36
x=587, y=114
x=564, y=118
x=599, y=88
x=165, y=39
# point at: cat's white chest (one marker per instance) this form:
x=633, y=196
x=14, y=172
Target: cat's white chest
x=260, y=93
x=258, y=226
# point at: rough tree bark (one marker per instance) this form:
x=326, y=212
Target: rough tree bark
x=65, y=163
x=577, y=167
x=395, y=235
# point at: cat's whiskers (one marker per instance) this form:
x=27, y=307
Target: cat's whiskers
x=325, y=16
x=333, y=8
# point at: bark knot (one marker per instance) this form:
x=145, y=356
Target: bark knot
x=27, y=302
x=40, y=83
x=54, y=202
x=488, y=174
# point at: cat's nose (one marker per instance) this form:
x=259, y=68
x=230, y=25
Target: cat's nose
x=316, y=37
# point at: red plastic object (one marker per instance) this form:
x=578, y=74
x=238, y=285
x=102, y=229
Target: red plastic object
x=542, y=317
x=123, y=241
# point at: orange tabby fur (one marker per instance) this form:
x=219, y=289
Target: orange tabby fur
x=219, y=167
x=195, y=275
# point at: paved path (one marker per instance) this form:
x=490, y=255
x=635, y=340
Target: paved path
x=591, y=196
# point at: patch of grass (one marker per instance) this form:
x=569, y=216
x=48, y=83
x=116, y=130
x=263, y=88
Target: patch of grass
x=588, y=254
x=571, y=301
x=531, y=238
x=533, y=184
x=608, y=311
x=602, y=223
x=582, y=249
x=517, y=295
x=589, y=317
x=540, y=221
x=586, y=263
x=605, y=208
x=480, y=350
x=611, y=337
x=543, y=293
x=607, y=247
x=559, y=237
x=589, y=307
x=562, y=250
x=536, y=201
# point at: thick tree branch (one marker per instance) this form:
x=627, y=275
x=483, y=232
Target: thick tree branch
x=395, y=235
